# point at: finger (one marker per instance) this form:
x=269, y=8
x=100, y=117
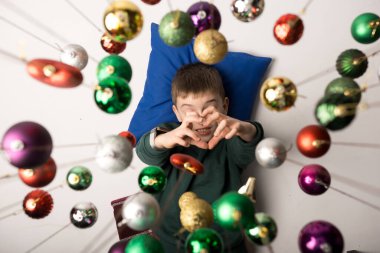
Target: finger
x=215, y=140
x=191, y=134
x=231, y=134
x=210, y=118
x=182, y=142
x=208, y=110
x=222, y=124
x=192, y=119
x=199, y=144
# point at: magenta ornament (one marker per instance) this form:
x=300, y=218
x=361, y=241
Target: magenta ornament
x=314, y=179
x=119, y=247
x=204, y=16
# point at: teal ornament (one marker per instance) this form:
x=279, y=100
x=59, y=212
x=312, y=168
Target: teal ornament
x=113, y=95
x=346, y=87
x=176, y=28
x=366, y=28
x=79, y=178
x=352, y=63
x=204, y=240
x=114, y=65
x=234, y=211
x=144, y=243
x=264, y=232
x=152, y=179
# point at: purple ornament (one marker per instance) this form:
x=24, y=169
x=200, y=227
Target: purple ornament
x=204, y=16
x=27, y=144
x=119, y=247
x=320, y=237
x=314, y=179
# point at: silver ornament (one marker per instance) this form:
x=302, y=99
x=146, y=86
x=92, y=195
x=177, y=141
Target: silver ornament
x=74, y=55
x=270, y=153
x=141, y=211
x=114, y=154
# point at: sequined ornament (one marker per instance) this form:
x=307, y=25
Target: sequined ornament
x=123, y=20
x=278, y=93
x=27, y=144
x=234, y=211
x=314, y=179
x=344, y=86
x=320, y=236
x=186, y=198
x=37, y=204
x=152, y=179
x=352, y=63
x=144, y=243
x=264, y=232
x=79, y=178
x=39, y=176
x=84, y=215
x=113, y=95
x=204, y=16
x=313, y=141
x=129, y=136
x=186, y=163
x=270, y=153
x=74, y=55
x=115, y=66
x=111, y=46
x=141, y=211
x=204, y=240
x=176, y=28
x=335, y=111
x=114, y=154
x=247, y=10
x=288, y=29
x=366, y=28
x=210, y=46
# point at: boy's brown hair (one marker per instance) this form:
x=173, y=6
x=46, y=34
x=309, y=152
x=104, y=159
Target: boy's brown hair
x=196, y=78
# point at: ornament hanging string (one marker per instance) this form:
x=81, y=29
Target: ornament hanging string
x=83, y=15
x=14, y=57
x=303, y=11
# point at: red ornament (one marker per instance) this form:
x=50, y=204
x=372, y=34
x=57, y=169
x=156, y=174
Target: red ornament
x=151, y=2
x=39, y=176
x=288, y=29
x=186, y=163
x=130, y=137
x=37, y=204
x=313, y=141
x=111, y=46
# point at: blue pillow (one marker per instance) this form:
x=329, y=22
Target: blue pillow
x=241, y=74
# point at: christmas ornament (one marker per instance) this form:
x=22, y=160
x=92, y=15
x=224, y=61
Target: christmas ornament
x=129, y=136
x=152, y=179
x=141, y=211
x=365, y=28
x=37, y=204
x=113, y=95
x=352, y=63
x=346, y=87
x=186, y=198
x=247, y=10
x=288, y=29
x=115, y=66
x=176, y=28
x=210, y=46
x=249, y=189
x=79, y=178
x=204, y=16
x=186, y=163
x=314, y=179
x=27, y=144
x=320, y=236
x=119, y=246
x=114, y=154
x=278, y=93
x=151, y=2
x=54, y=73
x=123, y=20
x=270, y=153
x=39, y=176
x=313, y=141
x=74, y=55
x=84, y=215
x=264, y=232
x=145, y=244
x=204, y=240
x=111, y=46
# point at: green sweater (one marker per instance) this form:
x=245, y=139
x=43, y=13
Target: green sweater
x=222, y=168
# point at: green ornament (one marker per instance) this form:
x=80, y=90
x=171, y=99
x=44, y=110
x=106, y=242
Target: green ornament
x=264, y=232
x=114, y=65
x=204, y=240
x=79, y=178
x=176, y=28
x=365, y=28
x=346, y=87
x=152, y=179
x=144, y=243
x=352, y=63
x=113, y=95
x=335, y=111
x=234, y=211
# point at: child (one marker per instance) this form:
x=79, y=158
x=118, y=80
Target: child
x=224, y=145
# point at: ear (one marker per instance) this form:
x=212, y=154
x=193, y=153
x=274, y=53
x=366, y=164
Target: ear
x=177, y=114
x=225, y=105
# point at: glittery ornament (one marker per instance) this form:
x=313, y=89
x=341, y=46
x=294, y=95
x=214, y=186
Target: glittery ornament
x=288, y=29
x=75, y=55
x=270, y=153
x=115, y=66
x=123, y=20
x=313, y=141
x=186, y=163
x=247, y=10
x=79, y=178
x=186, y=198
x=27, y=144
x=152, y=179
x=39, y=176
x=366, y=28
x=344, y=86
x=204, y=240
x=314, y=179
x=352, y=63
x=204, y=16
x=84, y=215
x=111, y=46
x=210, y=46
x=278, y=93
x=320, y=236
x=37, y=204
x=176, y=28
x=129, y=136
x=144, y=243
x=264, y=232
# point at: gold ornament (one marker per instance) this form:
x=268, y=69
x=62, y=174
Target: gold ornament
x=278, y=93
x=186, y=198
x=210, y=46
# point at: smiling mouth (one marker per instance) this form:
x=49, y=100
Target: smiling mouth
x=204, y=131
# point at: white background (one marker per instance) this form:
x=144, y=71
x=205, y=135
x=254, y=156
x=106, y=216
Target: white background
x=72, y=117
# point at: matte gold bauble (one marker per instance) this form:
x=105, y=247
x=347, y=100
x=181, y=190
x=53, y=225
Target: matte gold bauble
x=210, y=46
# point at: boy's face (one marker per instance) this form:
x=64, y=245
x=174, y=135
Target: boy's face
x=196, y=104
